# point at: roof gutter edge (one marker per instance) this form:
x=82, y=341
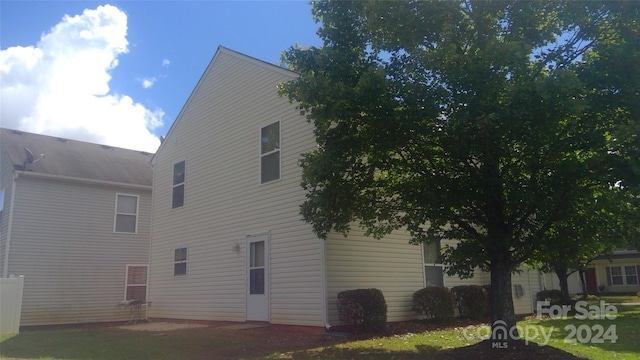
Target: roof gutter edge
x=30, y=174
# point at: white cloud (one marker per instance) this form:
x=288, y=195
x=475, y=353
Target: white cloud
x=60, y=86
x=166, y=62
x=148, y=82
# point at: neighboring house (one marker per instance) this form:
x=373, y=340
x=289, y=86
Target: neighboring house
x=75, y=221
x=228, y=242
x=615, y=273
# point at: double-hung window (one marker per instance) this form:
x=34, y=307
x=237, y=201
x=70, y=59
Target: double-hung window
x=270, y=153
x=178, y=185
x=624, y=275
x=432, y=264
x=126, y=217
x=180, y=261
x=1, y=202
x=136, y=283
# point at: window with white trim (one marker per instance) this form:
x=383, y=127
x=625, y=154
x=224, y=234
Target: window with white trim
x=136, y=283
x=126, y=217
x=270, y=153
x=624, y=275
x=433, y=268
x=180, y=262
x=178, y=185
x=1, y=203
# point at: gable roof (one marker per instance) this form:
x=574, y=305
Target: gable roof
x=73, y=159
x=240, y=57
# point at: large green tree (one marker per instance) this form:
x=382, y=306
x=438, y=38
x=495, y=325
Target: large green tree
x=482, y=121
x=594, y=227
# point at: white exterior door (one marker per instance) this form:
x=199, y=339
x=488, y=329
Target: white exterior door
x=258, y=278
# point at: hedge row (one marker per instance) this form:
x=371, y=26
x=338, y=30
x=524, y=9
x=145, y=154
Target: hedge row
x=471, y=301
x=435, y=302
x=367, y=308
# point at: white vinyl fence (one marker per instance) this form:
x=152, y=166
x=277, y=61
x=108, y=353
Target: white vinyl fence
x=10, y=304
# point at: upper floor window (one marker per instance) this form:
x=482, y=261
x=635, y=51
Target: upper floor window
x=1, y=202
x=270, y=153
x=126, y=213
x=178, y=185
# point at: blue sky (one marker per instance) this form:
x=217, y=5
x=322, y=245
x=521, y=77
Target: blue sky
x=120, y=74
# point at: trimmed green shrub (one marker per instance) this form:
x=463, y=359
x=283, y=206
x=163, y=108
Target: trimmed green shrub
x=470, y=300
x=365, y=308
x=433, y=302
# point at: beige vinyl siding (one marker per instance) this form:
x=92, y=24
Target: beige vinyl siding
x=390, y=264
x=63, y=243
x=6, y=183
x=218, y=136
x=529, y=279
x=396, y=268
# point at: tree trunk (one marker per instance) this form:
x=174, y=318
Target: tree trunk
x=582, y=273
x=564, y=284
x=503, y=318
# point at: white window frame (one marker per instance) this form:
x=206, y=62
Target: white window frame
x=116, y=213
x=185, y=261
x=183, y=184
x=425, y=264
x=623, y=272
x=278, y=150
x=2, y=194
x=126, y=280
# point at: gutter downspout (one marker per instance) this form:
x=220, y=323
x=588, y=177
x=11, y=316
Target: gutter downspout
x=5, y=269
x=323, y=280
x=146, y=313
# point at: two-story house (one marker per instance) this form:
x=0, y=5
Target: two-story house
x=228, y=242
x=75, y=220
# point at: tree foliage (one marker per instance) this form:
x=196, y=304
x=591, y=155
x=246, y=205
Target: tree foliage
x=595, y=226
x=482, y=121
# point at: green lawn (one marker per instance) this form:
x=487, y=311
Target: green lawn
x=212, y=343
x=110, y=343
x=626, y=327
x=426, y=345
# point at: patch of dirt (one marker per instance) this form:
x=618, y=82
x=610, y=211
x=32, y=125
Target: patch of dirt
x=159, y=326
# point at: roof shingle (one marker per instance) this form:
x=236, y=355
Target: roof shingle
x=77, y=159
